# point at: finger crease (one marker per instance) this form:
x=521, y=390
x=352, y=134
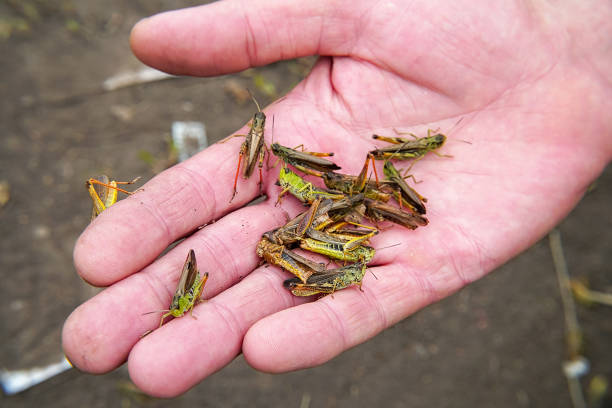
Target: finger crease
x=250, y=43
x=154, y=282
x=214, y=251
x=203, y=191
x=336, y=320
x=372, y=300
x=272, y=282
x=229, y=318
x=155, y=212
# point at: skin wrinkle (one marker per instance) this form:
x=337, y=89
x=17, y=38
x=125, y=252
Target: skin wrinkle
x=230, y=320
x=335, y=93
x=202, y=191
x=273, y=284
x=335, y=321
x=396, y=111
x=422, y=281
x=373, y=301
x=327, y=32
x=473, y=247
x=235, y=271
x=357, y=31
x=338, y=96
x=250, y=39
x=313, y=144
x=153, y=209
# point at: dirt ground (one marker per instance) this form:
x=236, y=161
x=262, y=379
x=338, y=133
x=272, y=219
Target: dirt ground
x=499, y=342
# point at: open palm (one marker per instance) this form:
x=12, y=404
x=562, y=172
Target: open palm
x=533, y=102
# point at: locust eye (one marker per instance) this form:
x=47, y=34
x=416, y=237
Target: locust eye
x=291, y=283
x=260, y=117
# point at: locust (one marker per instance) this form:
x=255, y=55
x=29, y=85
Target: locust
x=328, y=282
x=378, y=212
x=300, y=188
x=339, y=250
x=409, y=149
x=346, y=245
x=350, y=185
x=288, y=260
x=308, y=162
x=406, y=194
x=333, y=214
x=297, y=227
x=253, y=147
x=188, y=291
x=322, y=214
x=103, y=192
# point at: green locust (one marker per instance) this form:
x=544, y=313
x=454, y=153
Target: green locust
x=300, y=188
x=188, y=291
x=345, y=245
x=339, y=250
x=329, y=281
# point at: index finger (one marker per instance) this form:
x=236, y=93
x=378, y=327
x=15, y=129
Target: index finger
x=132, y=233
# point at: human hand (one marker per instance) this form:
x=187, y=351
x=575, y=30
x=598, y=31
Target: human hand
x=535, y=104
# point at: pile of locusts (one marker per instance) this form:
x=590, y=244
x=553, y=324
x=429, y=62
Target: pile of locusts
x=332, y=225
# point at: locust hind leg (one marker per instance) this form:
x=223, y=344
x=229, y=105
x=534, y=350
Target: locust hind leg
x=262, y=155
x=240, y=156
x=129, y=182
x=280, y=195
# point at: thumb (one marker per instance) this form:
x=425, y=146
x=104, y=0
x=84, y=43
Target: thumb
x=230, y=36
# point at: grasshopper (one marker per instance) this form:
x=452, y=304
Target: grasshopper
x=103, y=192
x=322, y=214
x=300, y=188
x=406, y=194
x=345, y=245
x=333, y=214
x=188, y=291
x=297, y=227
x=377, y=211
x=253, y=147
x=304, y=161
x=288, y=260
x=339, y=250
x=350, y=185
x=408, y=149
x=328, y=282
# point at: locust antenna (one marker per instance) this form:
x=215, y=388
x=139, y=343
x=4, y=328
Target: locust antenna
x=254, y=100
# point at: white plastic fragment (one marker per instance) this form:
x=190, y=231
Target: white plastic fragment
x=14, y=382
x=129, y=78
x=576, y=368
x=188, y=138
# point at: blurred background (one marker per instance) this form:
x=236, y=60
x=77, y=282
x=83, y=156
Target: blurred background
x=77, y=104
